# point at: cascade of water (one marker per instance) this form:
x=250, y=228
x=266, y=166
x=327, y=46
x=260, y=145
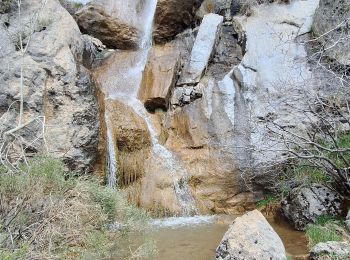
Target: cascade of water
x=124, y=85
x=112, y=156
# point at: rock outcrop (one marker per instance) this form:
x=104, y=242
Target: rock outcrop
x=305, y=205
x=251, y=237
x=173, y=17
x=101, y=19
x=56, y=86
x=202, y=50
x=332, y=21
x=159, y=77
x=330, y=249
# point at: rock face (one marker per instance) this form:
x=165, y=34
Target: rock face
x=304, y=206
x=347, y=220
x=173, y=17
x=101, y=20
x=202, y=50
x=332, y=19
x=251, y=237
x=333, y=249
x=159, y=77
x=56, y=86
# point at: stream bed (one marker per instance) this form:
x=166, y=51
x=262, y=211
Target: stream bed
x=196, y=238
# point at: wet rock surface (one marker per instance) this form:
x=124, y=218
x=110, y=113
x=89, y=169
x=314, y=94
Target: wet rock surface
x=305, y=205
x=330, y=249
x=251, y=237
x=98, y=20
x=159, y=77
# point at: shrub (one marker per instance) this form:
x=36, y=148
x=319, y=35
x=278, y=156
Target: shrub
x=45, y=213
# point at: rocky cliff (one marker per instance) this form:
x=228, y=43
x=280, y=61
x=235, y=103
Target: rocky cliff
x=177, y=123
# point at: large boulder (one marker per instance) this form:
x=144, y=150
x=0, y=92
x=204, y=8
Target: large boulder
x=100, y=19
x=203, y=49
x=330, y=250
x=251, y=237
x=173, y=17
x=56, y=86
x=332, y=22
x=303, y=206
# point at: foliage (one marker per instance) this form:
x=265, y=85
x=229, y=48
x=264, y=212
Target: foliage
x=325, y=229
x=45, y=213
x=267, y=201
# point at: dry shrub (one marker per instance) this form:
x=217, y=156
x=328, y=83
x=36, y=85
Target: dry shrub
x=46, y=214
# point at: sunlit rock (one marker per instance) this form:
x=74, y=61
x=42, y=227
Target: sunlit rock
x=159, y=77
x=202, y=50
x=251, y=237
x=330, y=249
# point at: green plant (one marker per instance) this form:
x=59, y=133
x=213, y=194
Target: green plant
x=326, y=228
x=46, y=213
x=267, y=201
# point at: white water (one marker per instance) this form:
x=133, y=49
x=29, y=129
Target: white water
x=112, y=156
x=124, y=85
x=175, y=222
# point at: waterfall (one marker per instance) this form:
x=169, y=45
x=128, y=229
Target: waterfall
x=112, y=156
x=124, y=85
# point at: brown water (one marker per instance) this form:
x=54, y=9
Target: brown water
x=198, y=240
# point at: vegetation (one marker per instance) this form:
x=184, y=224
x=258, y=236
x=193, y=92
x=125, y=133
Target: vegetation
x=325, y=229
x=267, y=201
x=45, y=213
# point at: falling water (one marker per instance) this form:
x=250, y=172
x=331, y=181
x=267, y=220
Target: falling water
x=124, y=85
x=112, y=156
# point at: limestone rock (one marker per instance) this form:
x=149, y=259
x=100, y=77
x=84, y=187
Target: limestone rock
x=159, y=77
x=251, y=237
x=329, y=15
x=202, y=50
x=173, y=17
x=305, y=205
x=338, y=250
x=99, y=19
x=56, y=86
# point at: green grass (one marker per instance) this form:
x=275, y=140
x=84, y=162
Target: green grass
x=325, y=229
x=267, y=201
x=63, y=217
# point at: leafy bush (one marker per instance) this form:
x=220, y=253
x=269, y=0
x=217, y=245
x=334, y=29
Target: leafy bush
x=45, y=213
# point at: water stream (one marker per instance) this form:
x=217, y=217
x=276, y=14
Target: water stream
x=123, y=84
